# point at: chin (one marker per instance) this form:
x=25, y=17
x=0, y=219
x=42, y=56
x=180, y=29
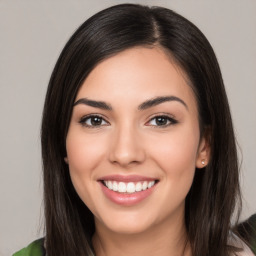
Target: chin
x=127, y=223
x=129, y=228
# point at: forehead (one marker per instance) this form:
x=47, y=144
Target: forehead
x=137, y=74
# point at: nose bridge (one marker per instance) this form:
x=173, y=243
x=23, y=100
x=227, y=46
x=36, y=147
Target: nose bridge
x=126, y=146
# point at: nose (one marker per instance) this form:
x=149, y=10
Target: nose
x=126, y=148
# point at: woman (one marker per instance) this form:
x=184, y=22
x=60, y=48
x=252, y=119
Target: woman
x=138, y=147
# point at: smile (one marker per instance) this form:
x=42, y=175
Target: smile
x=127, y=190
x=128, y=187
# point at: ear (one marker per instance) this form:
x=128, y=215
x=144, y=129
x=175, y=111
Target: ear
x=204, y=152
x=66, y=160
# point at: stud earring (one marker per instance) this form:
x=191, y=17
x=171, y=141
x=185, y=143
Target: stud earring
x=203, y=162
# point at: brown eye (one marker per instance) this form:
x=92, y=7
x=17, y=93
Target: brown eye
x=96, y=121
x=93, y=121
x=162, y=121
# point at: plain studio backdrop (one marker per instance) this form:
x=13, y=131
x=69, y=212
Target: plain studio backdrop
x=32, y=34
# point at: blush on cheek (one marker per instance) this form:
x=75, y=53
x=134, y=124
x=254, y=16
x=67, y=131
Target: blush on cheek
x=78, y=179
x=177, y=158
x=84, y=152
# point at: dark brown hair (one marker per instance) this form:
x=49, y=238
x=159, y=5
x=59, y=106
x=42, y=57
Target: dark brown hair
x=215, y=190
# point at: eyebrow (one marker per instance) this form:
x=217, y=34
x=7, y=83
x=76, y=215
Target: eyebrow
x=93, y=103
x=158, y=100
x=145, y=105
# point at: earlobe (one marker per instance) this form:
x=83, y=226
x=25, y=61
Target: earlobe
x=66, y=160
x=201, y=163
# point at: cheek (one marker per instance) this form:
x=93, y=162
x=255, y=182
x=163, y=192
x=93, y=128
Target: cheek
x=176, y=155
x=179, y=147
x=84, y=152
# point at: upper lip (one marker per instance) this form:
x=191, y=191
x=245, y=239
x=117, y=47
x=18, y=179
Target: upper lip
x=126, y=178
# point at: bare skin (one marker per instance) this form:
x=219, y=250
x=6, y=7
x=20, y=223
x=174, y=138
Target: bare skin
x=135, y=115
x=171, y=242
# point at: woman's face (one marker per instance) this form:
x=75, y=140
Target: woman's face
x=133, y=143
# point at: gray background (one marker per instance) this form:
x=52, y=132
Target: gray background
x=32, y=34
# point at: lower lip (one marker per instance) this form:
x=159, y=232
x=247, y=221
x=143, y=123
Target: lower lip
x=126, y=199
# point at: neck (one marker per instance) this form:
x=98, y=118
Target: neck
x=159, y=240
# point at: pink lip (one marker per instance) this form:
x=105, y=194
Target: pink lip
x=126, y=199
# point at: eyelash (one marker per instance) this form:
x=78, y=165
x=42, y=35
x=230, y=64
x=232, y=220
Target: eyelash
x=170, y=120
x=84, y=119
x=167, y=118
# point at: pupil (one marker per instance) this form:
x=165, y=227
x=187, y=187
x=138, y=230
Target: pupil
x=96, y=121
x=161, y=120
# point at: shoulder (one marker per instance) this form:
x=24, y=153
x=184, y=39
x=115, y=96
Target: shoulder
x=34, y=249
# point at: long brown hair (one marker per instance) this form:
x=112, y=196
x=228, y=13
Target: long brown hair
x=215, y=190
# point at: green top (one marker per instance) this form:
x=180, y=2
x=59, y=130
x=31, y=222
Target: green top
x=37, y=247
x=34, y=249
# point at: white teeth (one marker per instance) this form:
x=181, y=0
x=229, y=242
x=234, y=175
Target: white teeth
x=115, y=186
x=129, y=187
x=121, y=187
x=150, y=184
x=138, y=187
x=144, y=185
x=110, y=186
